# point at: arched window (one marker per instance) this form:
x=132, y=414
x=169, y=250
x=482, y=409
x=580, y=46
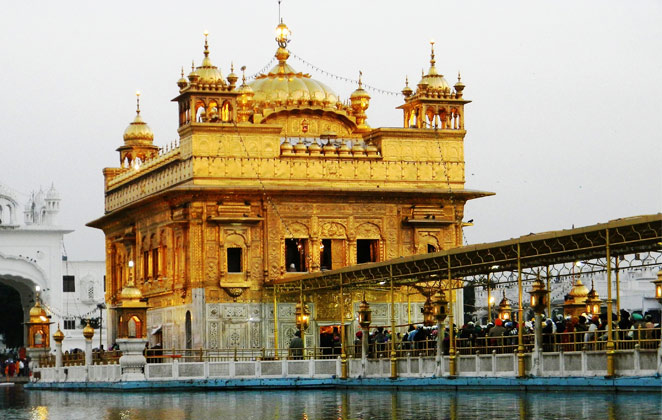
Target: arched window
x=226, y=112
x=213, y=111
x=200, y=112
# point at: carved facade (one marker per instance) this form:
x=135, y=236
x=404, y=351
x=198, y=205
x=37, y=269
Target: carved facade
x=270, y=179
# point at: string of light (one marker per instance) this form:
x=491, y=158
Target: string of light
x=346, y=79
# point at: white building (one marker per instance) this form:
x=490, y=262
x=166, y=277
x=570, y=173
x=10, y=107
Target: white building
x=31, y=255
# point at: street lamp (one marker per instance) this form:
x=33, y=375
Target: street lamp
x=504, y=308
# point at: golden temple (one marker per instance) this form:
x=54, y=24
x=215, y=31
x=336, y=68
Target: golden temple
x=270, y=179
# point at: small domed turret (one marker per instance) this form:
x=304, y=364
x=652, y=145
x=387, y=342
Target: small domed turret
x=138, y=131
x=407, y=91
x=459, y=86
x=182, y=82
x=433, y=81
x=232, y=78
x=360, y=101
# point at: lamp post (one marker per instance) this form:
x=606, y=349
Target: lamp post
x=538, y=303
x=658, y=296
x=490, y=300
x=365, y=318
x=101, y=307
x=439, y=307
x=38, y=332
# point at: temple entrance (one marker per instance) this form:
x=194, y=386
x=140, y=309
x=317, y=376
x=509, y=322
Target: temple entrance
x=11, y=317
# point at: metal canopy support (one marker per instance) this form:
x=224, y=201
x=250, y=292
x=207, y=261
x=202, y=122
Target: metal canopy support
x=626, y=236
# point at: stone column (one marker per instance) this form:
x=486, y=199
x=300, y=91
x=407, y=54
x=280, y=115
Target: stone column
x=58, y=354
x=88, y=333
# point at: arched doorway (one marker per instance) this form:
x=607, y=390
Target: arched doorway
x=11, y=317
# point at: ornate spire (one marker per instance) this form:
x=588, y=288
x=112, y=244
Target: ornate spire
x=206, y=44
x=137, y=102
x=432, y=60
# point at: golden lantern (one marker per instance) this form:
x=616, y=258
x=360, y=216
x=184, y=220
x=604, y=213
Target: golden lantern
x=38, y=326
x=538, y=297
x=365, y=314
x=283, y=34
x=504, y=308
x=593, y=301
x=302, y=315
x=658, y=286
x=439, y=306
x=428, y=312
x=131, y=311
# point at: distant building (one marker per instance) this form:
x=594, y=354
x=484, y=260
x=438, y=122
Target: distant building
x=31, y=255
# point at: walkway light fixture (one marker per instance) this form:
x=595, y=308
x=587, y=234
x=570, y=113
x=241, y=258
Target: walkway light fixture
x=365, y=314
x=593, y=301
x=504, y=308
x=428, y=312
x=658, y=286
x=439, y=306
x=538, y=297
x=302, y=315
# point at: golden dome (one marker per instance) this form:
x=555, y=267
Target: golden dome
x=207, y=73
x=131, y=292
x=88, y=331
x=138, y=131
x=37, y=312
x=58, y=336
x=284, y=86
x=433, y=80
x=578, y=291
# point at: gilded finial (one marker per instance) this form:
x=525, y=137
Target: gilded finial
x=137, y=102
x=232, y=67
x=182, y=71
x=206, y=44
x=360, y=75
x=459, y=76
x=243, y=75
x=432, y=60
x=192, y=65
x=407, y=81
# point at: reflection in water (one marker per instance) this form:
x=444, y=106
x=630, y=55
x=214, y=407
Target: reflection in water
x=355, y=404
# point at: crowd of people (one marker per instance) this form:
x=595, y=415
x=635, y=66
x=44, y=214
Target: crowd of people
x=561, y=333
x=14, y=363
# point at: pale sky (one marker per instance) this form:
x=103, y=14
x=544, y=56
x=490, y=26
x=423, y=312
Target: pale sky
x=565, y=124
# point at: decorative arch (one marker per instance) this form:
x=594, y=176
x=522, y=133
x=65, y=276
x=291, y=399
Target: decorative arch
x=297, y=230
x=368, y=230
x=333, y=230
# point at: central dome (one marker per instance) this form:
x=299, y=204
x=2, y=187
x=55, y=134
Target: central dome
x=284, y=86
